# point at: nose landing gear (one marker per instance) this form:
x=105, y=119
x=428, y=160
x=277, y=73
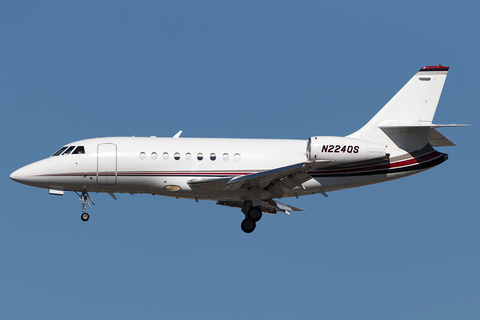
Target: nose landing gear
x=85, y=204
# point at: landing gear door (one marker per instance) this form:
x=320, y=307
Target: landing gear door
x=107, y=164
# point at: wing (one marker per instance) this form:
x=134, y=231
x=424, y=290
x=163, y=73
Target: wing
x=277, y=181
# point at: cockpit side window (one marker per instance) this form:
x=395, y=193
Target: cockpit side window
x=69, y=150
x=59, y=152
x=79, y=150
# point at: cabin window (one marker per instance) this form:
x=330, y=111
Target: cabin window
x=79, y=150
x=226, y=156
x=237, y=157
x=59, y=152
x=176, y=156
x=200, y=156
x=188, y=156
x=213, y=156
x=154, y=156
x=143, y=155
x=165, y=156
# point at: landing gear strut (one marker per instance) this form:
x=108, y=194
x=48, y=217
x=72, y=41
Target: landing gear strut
x=253, y=215
x=85, y=204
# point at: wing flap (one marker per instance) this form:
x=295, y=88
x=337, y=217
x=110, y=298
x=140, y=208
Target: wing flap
x=285, y=207
x=279, y=187
x=210, y=183
x=267, y=206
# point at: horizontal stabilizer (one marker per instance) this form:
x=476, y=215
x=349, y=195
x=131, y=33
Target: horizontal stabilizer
x=436, y=139
x=408, y=124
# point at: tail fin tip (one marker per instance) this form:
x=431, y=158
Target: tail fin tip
x=435, y=68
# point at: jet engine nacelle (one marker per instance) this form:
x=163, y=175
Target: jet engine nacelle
x=343, y=150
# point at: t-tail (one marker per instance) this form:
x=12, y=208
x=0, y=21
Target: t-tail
x=404, y=125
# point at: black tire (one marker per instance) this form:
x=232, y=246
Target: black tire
x=85, y=216
x=248, y=225
x=254, y=214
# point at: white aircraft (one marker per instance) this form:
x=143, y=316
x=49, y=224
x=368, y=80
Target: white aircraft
x=251, y=174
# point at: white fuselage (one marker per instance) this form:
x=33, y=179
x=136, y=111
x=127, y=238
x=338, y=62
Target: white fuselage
x=148, y=165
x=164, y=166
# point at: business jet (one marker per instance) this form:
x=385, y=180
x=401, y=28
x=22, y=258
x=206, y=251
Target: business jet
x=252, y=174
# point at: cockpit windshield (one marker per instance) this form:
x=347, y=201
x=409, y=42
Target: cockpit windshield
x=68, y=150
x=59, y=152
x=79, y=150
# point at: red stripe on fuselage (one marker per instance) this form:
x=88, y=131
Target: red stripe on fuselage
x=391, y=165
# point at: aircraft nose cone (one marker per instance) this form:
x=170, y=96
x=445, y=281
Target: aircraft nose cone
x=17, y=175
x=23, y=175
x=34, y=174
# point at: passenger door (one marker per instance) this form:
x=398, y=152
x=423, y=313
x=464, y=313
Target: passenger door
x=107, y=164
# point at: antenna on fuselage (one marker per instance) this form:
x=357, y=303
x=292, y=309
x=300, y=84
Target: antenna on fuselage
x=178, y=134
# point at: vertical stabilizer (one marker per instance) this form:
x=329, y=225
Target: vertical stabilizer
x=403, y=124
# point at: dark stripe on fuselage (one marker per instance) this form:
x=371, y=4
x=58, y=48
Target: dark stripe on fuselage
x=441, y=157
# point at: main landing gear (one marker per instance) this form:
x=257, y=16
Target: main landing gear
x=85, y=204
x=253, y=215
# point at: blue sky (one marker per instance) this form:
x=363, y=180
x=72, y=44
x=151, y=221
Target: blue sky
x=249, y=69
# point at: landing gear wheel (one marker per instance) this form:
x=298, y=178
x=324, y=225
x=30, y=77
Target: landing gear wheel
x=254, y=214
x=85, y=216
x=85, y=204
x=248, y=225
